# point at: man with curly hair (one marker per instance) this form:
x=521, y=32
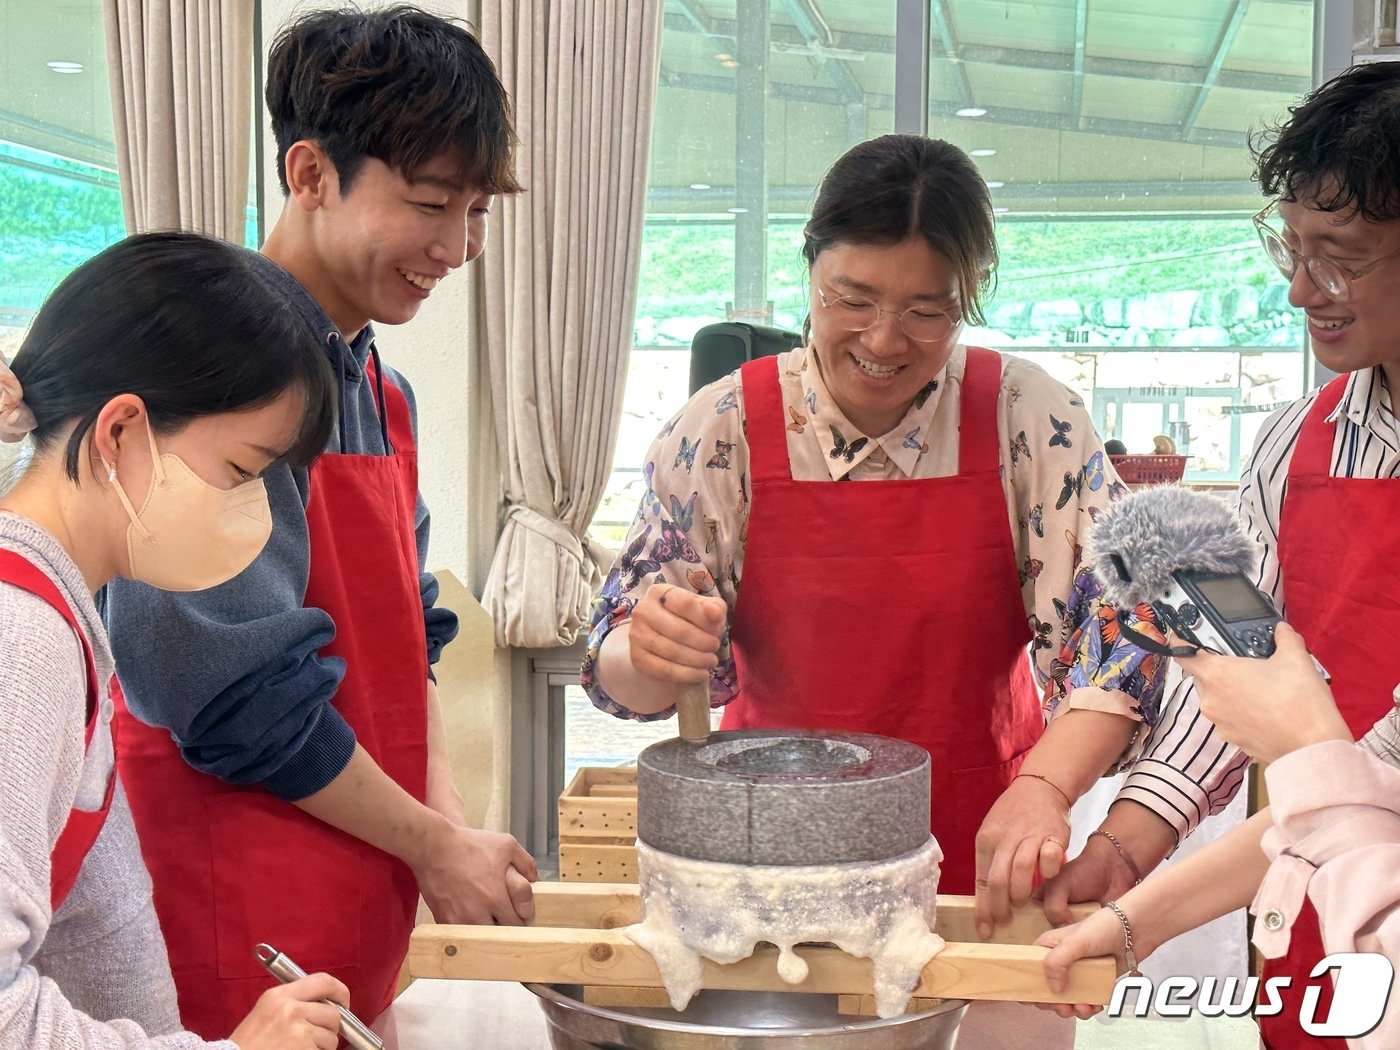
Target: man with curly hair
x=1321, y=494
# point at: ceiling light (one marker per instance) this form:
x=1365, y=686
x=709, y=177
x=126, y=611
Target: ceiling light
x=1000, y=211
x=730, y=64
x=995, y=185
x=723, y=56
x=738, y=211
x=699, y=185
x=981, y=153
x=972, y=111
x=65, y=67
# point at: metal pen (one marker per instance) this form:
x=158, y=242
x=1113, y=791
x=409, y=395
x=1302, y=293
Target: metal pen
x=354, y=1031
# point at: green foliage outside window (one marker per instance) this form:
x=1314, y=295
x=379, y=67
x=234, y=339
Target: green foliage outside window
x=49, y=224
x=1121, y=282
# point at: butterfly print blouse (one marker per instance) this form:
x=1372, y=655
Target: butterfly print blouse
x=690, y=529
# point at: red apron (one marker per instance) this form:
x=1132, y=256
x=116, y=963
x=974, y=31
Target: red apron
x=83, y=826
x=271, y=873
x=891, y=607
x=1337, y=543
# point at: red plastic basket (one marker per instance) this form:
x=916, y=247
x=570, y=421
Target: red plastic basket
x=1149, y=470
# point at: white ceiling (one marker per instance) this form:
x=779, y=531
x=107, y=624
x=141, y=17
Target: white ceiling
x=1092, y=104
x=70, y=115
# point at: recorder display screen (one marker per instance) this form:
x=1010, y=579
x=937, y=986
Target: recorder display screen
x=1234, y=597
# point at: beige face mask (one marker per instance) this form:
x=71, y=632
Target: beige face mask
x=188, y=534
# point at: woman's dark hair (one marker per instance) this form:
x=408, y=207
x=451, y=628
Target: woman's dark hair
x=399, y=85
x=191, y=325
x=1340, y=146
x=889, y=189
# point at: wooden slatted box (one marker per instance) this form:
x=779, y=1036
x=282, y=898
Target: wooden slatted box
x=598, y=826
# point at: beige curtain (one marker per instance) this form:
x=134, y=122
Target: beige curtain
x=559, y=283
x=181, y=78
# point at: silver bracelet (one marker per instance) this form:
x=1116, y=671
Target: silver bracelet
x=1113, y=840
x=1128, y=955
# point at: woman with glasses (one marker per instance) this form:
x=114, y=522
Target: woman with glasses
x=870, y=533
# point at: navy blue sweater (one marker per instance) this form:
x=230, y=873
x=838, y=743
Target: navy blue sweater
x=233, y=672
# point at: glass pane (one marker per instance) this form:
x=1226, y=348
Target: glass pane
x=1116, y=147
x=593, y=738
x=59, y=198
x=757, y=98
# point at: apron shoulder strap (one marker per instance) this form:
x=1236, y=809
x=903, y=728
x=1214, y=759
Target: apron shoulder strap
x=764, y=428
x=82, y=827
x=1312, y=455
x=978, y=445
x=25, y=575
x=393, y=408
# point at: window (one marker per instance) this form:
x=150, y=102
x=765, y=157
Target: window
x=1116, y=149
x=59, y=198
x=60, y=202
x=756, y=99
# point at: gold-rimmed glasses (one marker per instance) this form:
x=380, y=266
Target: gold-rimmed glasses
x=1331, y=277
x=856, y=313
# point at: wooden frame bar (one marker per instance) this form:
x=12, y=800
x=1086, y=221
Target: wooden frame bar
x=575, y=939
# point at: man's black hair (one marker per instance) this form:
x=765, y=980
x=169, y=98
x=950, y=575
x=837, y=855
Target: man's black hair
x=397, y=84
x=1339, y=149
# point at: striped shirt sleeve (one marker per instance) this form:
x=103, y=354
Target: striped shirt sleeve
x=1186, y=772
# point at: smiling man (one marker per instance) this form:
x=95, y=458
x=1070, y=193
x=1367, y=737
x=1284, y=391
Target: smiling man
x=285, y=761
x=1321, y=492
x=1323, y=487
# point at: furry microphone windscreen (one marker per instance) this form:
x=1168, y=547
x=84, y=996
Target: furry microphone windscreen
x=1156, y=531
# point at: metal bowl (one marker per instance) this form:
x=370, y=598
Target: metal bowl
x=725, y=1020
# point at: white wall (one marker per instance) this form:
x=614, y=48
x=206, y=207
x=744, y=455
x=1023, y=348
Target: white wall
x=431, y=351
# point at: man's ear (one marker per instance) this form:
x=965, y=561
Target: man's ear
x=119, y=426
x=311, y=177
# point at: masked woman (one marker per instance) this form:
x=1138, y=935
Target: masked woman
x=871, y=532
x=155, y=385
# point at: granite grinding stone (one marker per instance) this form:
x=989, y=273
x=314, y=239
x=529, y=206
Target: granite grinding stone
x=785, y=797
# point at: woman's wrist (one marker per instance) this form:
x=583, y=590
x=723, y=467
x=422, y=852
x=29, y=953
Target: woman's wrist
x=1130, y=947
x=612, y=651
x=618, y=678
x=1122, y=852
x=1050, y=784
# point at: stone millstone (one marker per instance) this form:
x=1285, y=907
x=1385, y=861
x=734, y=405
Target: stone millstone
x=784, y=796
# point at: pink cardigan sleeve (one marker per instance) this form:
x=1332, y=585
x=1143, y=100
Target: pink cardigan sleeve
x=1336, y=841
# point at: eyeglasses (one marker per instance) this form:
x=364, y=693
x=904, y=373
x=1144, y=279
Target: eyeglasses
x=855, y=314
x=1331, y=277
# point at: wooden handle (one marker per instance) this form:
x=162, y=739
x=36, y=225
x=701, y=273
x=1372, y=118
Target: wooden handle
x=693, y=709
